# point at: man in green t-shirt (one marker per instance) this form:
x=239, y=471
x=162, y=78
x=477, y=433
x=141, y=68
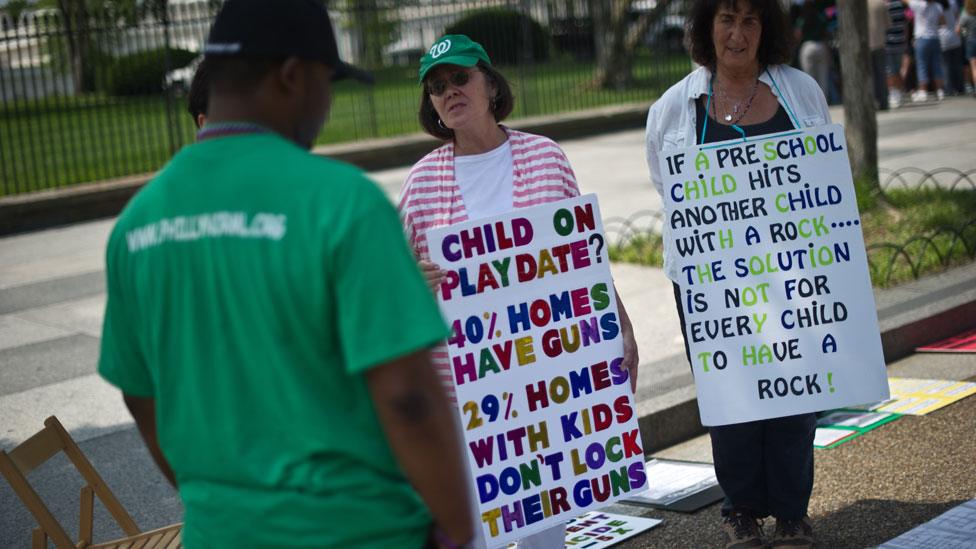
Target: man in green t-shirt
x=267, y=324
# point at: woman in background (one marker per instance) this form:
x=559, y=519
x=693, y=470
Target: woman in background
x=928, y=51
x=951, y=44
x=967, y=28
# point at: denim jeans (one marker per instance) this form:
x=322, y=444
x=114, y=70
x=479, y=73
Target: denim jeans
x=928, y=60
x=766, y=466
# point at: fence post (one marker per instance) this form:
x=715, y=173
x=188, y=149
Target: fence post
x=520, y=69
x=167, y=65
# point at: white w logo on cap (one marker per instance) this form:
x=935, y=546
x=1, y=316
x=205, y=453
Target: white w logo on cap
x=440, y=48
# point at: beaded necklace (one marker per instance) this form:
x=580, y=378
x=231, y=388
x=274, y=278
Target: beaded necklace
x=734, y=116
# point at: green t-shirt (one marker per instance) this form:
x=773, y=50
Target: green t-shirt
x=250, y=285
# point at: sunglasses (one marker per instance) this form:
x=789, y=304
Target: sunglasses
x=438, y=86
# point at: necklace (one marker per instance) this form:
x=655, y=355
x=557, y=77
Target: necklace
x=735, y=115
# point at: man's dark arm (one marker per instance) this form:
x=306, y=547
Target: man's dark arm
x=143, y=410
x=417, y=419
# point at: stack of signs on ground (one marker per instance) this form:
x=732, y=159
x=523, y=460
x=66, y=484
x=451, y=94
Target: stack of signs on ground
x=954, y=529
x=597, y=530
x=679, y=485
x=546, y=407
x=775, y=290
x=918, y=397
x=839, y=426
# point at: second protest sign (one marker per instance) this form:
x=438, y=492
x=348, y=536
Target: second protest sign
x=779, y=314
x=549, y=419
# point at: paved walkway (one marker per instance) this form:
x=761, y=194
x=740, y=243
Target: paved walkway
x=868, y=490
x=52, y=296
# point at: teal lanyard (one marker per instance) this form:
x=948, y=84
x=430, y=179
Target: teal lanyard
x=708, y=104
x=736, y=127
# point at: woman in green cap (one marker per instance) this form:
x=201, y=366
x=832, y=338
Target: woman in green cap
x=483, y=169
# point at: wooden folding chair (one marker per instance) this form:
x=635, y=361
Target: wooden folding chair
x=16, y=465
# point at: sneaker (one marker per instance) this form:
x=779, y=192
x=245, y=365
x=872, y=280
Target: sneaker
x=742, y=530
x=792, y=534
x=894, y=99
x=920, y=96
x=939, y=95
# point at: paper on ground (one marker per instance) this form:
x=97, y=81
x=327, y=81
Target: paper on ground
x=954, y=529
x=669, y=481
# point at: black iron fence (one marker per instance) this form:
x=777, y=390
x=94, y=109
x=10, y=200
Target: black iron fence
x=93, y=95
x=933, y=251
x=916, y=179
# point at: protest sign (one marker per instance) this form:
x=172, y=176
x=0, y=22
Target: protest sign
x=547, y=411
x=840, y=426
x=826, y=438
x=918, y=397
x=779, y=312
x=599, y=530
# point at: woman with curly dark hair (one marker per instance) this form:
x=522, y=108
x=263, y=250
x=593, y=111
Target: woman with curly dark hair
x=744, y=88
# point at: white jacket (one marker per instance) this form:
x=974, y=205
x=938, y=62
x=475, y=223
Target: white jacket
x=671, y=121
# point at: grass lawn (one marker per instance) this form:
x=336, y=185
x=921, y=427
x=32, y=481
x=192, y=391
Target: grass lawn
x=924, y=232
x=927, y=232
x=64, y=141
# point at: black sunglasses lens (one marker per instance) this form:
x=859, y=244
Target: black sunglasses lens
x=459, y=78
x=438, y=86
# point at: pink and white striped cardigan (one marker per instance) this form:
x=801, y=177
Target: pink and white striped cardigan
x=431, y=198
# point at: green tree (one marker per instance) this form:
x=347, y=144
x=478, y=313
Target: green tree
x=76, y=43
x=860, y=118
x=617, y=39
x=374, y=24
x=15, y=8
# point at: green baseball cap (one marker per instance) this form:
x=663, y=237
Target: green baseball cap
x=453, y=49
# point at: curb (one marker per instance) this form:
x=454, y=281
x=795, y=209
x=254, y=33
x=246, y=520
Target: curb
x=50, y=208
x=901, y=341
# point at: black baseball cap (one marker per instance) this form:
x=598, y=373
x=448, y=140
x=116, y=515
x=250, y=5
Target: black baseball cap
x=290, y=28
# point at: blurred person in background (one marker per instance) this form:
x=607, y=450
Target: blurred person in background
x=929, y=17
x=896, y=49
x=878, y=23
x=952, y=52
x=967, y=28
x=812, y=35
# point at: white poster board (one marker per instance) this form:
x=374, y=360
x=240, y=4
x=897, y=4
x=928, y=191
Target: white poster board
x=954, y=529
x=669, y=481
x=596, y=530
x=779, y=312
x=548, y=415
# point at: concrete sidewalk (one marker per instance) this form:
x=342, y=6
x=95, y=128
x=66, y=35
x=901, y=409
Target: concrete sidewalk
x=868, y=490
x=52, y=297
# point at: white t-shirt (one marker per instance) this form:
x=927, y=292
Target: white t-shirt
x=926, y=18
x=485, y=181
x=948, y=39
